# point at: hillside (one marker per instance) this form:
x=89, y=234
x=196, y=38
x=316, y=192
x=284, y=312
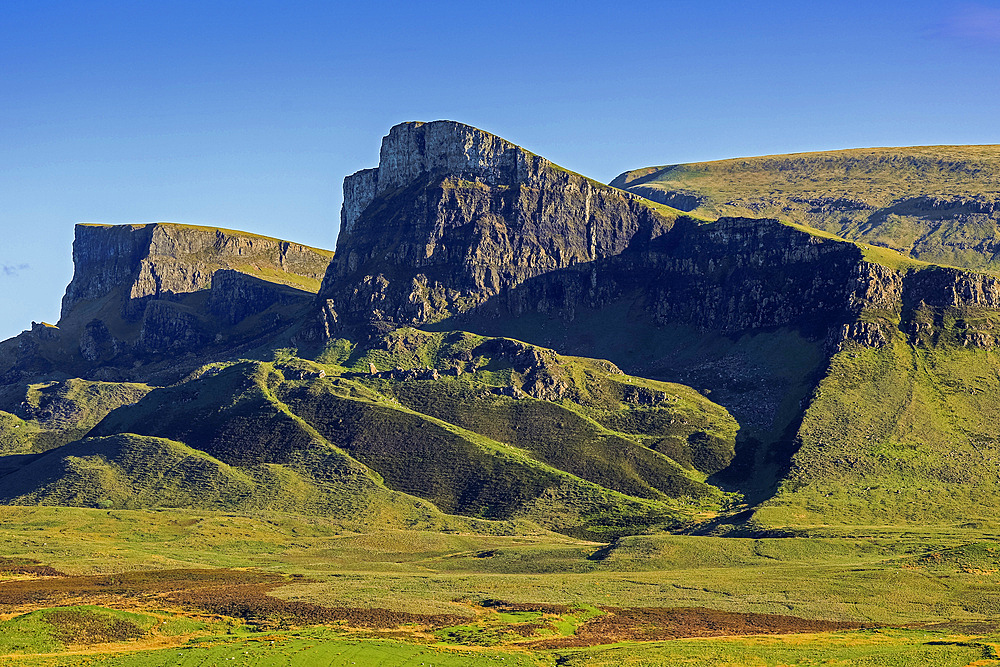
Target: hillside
x=190, y=392
x=755, y=313
x=500, y=339
x=518, y=416
x=933, y=203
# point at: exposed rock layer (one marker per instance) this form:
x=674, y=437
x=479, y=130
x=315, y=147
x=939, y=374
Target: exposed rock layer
x=454, y=215
x=141, y=293
x=165, y=259
x=455, y=220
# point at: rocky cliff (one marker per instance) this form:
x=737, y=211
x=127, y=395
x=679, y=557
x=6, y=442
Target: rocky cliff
x=455, y=220
x=142, y=293
x=453, y=215
x=165, y=259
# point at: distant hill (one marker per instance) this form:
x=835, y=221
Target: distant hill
x=940, y=204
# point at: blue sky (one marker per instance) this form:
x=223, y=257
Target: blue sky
x=249, y=114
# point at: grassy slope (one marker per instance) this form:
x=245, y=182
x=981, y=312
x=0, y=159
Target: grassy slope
x=460, y=471
x=55, y=630
x=762, y=377
x=255, y=451
x=248, y=438
x=789, y=187
x=131, y=471
x=62, y=412
x=897, y=435
x=600, y=406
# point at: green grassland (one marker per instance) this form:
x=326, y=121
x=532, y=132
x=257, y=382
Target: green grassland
x=898, y=435
x=926, y=202
x=615, y=454
x=943, y=581
x=313, y=647
x=894, y=648
x=869, y=574
x=885, y=648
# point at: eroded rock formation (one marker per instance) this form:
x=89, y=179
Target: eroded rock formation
x=453, y=215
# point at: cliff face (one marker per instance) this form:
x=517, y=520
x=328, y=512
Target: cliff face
x=104, y=257
x=141, y=294
x=455, y=220
x=453, y=215
x=165, y=259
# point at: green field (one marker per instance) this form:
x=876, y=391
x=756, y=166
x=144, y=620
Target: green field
x=930, y=597
x=883, y=648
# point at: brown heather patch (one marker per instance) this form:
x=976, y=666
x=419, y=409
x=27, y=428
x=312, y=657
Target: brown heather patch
x=503, y=606
x=527, y=629
x=662, y=623
x=77, y=626
x=251, y=602
x=236, y=593
x=15, y=566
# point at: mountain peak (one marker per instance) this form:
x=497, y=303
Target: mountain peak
x=415, y=149
x=411, y=149
x=454, y=215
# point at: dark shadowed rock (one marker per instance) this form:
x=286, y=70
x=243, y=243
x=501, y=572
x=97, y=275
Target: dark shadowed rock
x=454, y=215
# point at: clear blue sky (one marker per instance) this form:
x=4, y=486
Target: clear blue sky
x=247, y=114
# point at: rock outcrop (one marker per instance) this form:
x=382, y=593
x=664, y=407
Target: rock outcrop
x=455, y=220
x=163, y=259
x=143, y=293
x=453, y=215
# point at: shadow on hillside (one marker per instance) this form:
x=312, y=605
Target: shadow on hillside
x=607, y=309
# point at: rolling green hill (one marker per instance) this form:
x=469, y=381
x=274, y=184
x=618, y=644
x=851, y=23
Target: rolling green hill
x=933, y=203
x=457, y=441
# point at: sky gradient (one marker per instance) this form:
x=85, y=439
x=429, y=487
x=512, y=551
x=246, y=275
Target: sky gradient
x=248, y=114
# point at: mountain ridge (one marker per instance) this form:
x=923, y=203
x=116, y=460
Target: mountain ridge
x=477, y=289
x=935, y=203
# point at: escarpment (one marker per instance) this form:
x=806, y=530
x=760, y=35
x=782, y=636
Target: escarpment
x=456, y=229
x=453, y=215
x=150, y=293
x=506, y=339
x=163, y=259
x=933, y=203
x=455, y=222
